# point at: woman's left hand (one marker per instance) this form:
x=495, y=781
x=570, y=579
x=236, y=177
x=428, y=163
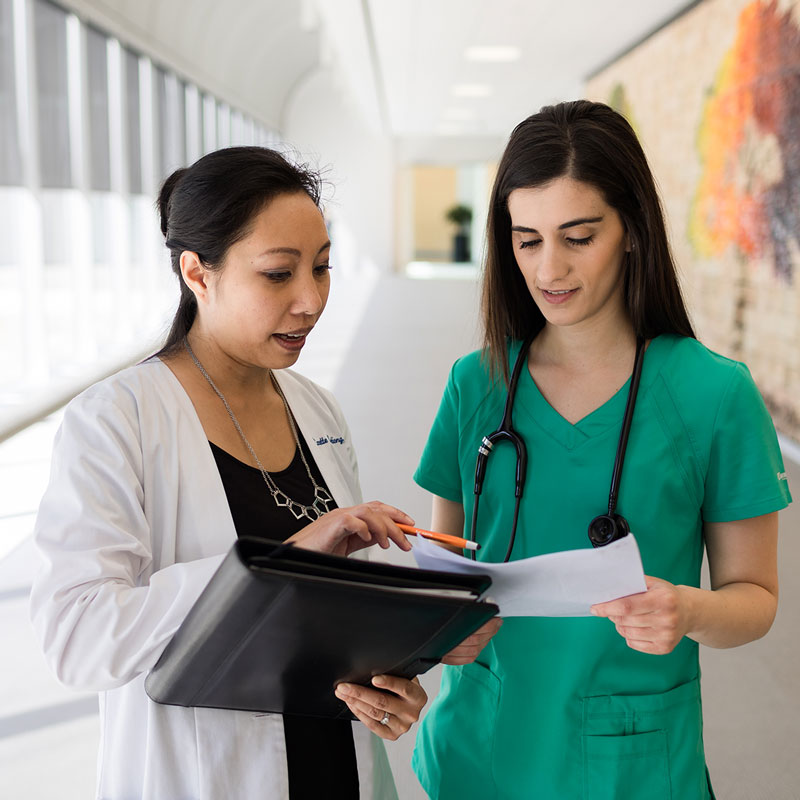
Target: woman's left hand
x=653, y=621
x=399, y=705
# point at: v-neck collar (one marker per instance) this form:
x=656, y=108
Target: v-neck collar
x=531, y=405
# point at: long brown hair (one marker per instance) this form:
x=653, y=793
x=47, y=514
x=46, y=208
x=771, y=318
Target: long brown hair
x=591, y=143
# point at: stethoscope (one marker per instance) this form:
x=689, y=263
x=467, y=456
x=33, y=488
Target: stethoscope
x=603, y=529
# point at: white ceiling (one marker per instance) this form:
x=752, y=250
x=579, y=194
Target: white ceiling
x=398, y=59
x=421, y=46
x=250, y=53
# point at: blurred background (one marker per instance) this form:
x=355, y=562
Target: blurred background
x=406, y=107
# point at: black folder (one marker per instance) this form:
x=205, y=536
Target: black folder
x=278, y=627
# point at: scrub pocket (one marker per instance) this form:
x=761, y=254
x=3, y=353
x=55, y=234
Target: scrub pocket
x=644, y=747
x=455, y=744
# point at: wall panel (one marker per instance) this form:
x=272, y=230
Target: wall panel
x=715, y=97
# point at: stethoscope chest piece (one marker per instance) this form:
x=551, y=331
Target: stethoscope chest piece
x=607, y=528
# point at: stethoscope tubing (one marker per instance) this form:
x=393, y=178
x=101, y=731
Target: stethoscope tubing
x=506, y=432
x=627, y=421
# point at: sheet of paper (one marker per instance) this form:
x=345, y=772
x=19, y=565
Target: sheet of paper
x=562, y=584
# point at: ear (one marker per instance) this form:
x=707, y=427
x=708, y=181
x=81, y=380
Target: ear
x=195, y=275
x=628, y=243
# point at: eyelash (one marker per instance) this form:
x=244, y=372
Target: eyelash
x=575, y=242
x=281, y=277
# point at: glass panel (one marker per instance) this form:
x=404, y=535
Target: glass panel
x=100, y=161
x=223, y=125
x=10, y=156
x=51, y=94
x=237, y=128
x=178, y=112
x=209, y=123
x=103, y=230
x=10, y=232
x=57, y=232
x=171, y=95
x=160, y=82
x=133, y=122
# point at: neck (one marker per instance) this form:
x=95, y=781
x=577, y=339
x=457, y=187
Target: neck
x=233, y=377
x=584, y=348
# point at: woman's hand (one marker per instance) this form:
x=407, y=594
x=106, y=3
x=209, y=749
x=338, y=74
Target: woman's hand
x=739, y=607
x=345, y=530
x=653, y=621
x=471, y=647
x=390, y=713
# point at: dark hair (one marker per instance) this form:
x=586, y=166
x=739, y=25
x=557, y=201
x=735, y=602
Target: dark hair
x=209, y=206
x=591, y=143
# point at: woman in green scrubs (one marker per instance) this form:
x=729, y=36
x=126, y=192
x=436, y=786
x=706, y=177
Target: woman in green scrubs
x=606, y=706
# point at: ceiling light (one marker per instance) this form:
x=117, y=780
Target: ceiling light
x=493, y=53
x=472, y=90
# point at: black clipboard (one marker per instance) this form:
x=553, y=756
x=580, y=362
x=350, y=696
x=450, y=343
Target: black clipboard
x=278, y=627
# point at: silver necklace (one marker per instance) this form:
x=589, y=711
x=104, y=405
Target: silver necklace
x=322, y=499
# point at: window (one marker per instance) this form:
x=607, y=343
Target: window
x=171, y=96
x=133, y=121
x=209, y=123
x=97, y=58
x=52, y=95
x=10, y=155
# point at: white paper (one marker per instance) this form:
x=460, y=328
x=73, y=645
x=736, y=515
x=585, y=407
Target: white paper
x=562, y=584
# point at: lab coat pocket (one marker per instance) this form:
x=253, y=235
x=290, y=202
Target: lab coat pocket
x=644, y=747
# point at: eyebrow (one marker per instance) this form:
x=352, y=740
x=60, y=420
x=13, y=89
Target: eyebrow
x=571, y=224
x=290, y=251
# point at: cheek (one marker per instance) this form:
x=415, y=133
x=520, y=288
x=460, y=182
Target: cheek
x=325, y=290
x=255, y=308
x=616, y=268
x=528, y=272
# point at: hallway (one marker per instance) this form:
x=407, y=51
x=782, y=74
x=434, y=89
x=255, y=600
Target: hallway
x=385, y=348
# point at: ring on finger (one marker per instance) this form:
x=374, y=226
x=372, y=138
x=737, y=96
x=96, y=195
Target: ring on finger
x=385, y=718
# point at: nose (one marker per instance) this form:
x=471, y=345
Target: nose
x=552, y=265
x=309, y=297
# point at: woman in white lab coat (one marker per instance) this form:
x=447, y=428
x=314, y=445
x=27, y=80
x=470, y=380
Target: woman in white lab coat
x=158, y=468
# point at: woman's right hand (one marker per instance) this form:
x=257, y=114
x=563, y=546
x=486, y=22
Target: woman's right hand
x=345, y=530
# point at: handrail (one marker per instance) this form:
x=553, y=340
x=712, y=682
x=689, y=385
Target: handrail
x=38, y=408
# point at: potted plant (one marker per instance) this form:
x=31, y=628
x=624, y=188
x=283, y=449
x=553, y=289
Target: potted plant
x=461, y=216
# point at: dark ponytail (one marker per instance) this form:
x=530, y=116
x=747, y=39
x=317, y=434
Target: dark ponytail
x=209, y=206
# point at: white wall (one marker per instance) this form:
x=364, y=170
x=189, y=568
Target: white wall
x=327, y=130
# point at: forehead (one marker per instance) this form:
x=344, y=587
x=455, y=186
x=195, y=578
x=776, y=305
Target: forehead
x=555, y=202
x=288, y=216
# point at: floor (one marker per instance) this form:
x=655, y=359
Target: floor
x=385, y=348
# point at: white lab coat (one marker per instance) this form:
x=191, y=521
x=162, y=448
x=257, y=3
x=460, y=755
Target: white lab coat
x=132, y=526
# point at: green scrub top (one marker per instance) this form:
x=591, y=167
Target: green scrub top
x=561, y=708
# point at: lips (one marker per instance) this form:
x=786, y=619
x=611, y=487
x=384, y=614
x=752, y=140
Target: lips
x=292, y=340
x=557, y=296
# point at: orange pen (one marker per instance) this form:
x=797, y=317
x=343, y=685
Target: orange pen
x=444, y=538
